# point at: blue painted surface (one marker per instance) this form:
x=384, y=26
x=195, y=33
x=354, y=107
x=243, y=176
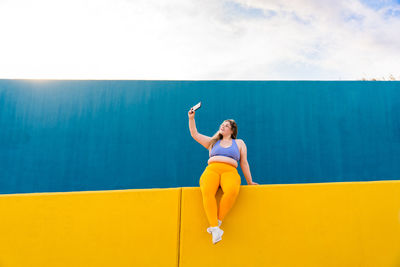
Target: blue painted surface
x=102, y=135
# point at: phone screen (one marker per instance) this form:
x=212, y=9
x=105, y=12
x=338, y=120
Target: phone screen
x=197, y=106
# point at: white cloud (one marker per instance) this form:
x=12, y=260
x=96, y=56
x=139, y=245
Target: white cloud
x=186, y=39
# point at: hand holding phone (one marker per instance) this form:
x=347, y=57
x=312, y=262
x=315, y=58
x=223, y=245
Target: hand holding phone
x=195, y=107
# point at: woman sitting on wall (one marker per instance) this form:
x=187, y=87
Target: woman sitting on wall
x=225, y=151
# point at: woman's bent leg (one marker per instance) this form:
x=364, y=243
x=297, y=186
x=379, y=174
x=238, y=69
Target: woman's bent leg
x=230, y=184
x=209, y=184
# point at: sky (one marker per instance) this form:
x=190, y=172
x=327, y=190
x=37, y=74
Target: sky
x=199, y=40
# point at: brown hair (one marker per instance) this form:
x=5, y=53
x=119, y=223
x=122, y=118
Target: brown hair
x=217, y=136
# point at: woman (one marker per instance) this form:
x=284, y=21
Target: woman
x=224, y=150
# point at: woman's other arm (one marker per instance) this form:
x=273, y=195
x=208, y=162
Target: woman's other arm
x=201, y=139
x=245, y=165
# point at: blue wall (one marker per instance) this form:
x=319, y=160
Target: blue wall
x=102, y=135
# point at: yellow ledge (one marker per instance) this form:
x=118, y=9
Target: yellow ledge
x=328, y=224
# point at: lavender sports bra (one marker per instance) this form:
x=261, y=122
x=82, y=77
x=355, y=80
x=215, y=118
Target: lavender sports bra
x=232, y=151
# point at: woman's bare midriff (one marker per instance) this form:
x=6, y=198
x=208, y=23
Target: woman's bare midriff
x=224, y=160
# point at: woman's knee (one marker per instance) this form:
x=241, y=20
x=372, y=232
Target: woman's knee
x=208, y=190
x=232, y=191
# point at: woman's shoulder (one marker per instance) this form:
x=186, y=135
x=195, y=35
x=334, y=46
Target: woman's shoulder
x=239, y=142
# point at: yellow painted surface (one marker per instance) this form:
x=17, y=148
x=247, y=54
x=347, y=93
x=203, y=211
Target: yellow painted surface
x=111, y=228
x=321, y=225
x=331, y=224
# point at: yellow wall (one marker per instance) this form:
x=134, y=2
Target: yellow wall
x=112, y=228
x=331, y=224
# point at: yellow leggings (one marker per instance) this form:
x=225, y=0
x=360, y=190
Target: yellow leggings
x=216, y=174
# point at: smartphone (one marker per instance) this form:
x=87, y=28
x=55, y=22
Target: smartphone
x=196, y=107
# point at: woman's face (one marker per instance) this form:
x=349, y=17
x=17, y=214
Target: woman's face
x=225, y=128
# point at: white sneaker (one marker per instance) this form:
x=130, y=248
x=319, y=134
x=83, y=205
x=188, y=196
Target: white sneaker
x=219, y=225
x=216, y=233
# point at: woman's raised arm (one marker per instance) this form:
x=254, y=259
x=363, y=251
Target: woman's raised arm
x=201, y=139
